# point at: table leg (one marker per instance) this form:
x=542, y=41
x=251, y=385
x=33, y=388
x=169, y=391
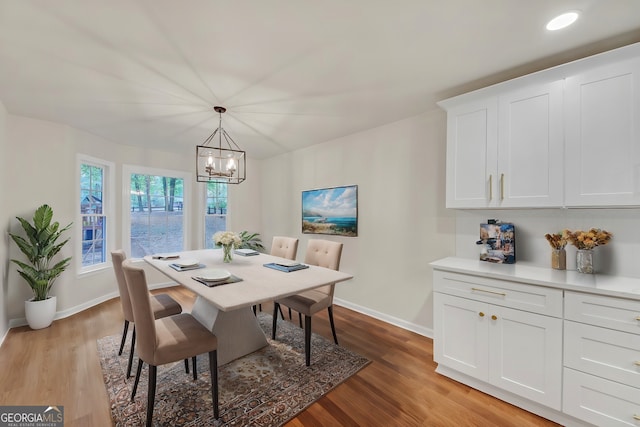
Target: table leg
x=238, y=331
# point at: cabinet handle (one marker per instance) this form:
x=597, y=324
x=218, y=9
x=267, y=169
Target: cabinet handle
x=481, y=314
x=637, y=363
x=636, y=417
x=494, y=317
x=501, y=186
x=638, y=318
x=490, y=187
x=489, y=292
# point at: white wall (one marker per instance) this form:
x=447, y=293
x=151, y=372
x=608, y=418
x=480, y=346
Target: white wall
x=402, y=224
x=619, y=257
x=42, y=169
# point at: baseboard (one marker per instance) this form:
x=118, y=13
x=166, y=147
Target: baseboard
x=420, y=330
x=22, y=321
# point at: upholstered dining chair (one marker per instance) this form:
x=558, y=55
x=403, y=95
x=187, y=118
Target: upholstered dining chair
x=162, y=305
x=283, y=247
x=323, y=253
x=166, y=340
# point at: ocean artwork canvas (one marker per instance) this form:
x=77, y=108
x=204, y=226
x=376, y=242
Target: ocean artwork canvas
x=331, y=211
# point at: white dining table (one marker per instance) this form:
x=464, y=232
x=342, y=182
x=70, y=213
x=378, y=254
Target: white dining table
x=227, y=309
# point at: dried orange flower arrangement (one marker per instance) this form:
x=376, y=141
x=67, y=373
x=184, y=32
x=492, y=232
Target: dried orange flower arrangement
x=558, y=240
x=589, y=239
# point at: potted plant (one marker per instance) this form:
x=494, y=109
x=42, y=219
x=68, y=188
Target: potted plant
x=40, y=247
x=251, y=241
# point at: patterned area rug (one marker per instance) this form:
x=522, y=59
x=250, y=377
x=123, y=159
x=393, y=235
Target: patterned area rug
x=265, y=388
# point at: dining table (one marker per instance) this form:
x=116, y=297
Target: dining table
x=226, y=308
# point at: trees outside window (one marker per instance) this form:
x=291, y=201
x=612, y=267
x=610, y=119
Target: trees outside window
x=156, y=211
x=215, y=215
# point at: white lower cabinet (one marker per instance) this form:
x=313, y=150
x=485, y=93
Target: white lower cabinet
x=602, y=359
x=599, y=401
x=534, y=338
x=515, y=350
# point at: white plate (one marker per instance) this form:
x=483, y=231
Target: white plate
x=186, y=262
x=214, y=275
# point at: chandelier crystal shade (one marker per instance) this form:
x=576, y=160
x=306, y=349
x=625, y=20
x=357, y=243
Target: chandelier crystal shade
x=220, y=159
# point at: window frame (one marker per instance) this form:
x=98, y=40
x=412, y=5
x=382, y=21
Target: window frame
x=108, y=212
x=127, y=171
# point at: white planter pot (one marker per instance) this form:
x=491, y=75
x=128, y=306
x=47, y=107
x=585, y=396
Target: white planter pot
x=40, y=314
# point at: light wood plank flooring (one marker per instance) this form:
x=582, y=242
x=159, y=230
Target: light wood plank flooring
x=59, y=366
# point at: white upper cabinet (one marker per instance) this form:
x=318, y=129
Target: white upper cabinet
x=567, y=136
x=603, y=136
x=471, y=153
x=506, y=151
x=530, y=147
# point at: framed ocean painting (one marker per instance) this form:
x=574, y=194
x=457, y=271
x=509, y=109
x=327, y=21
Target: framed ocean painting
x=331, y=211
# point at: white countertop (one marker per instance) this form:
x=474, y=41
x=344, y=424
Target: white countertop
x=626, y=287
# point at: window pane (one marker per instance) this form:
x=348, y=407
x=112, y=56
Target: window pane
x=93, y=234
x=156, y=215
x=215, y=218
x=93, y=221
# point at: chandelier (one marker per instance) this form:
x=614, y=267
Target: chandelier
x=220, y=161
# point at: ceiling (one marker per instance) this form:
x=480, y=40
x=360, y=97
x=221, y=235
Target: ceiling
x=291, y=73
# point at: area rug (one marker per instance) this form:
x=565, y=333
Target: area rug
x=265, y=388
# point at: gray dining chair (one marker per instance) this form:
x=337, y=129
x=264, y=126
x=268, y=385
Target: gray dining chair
x=162, y=305
x=322, y=253
x=283, y=247
x=166, y=340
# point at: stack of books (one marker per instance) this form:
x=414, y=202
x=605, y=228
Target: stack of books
x=286, y=266
x=246, y=252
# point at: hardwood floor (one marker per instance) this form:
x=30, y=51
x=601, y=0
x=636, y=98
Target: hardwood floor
x=59, y=366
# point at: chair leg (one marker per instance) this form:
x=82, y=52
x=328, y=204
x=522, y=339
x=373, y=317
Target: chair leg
x=260, y=307
x=124, y=336
x=307, y=339
x=213, y=367
x=137, y=380
x=289, y=312
x=280, y=310
x=333, y=326
x=151, y=394
x=255, y=312
x=195, y=371
x=276, y=306
x=133, y=346
x=186, y=366
x=300, y=319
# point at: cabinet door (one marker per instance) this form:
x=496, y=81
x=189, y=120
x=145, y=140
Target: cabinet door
x=530, y=147
x=603, y=136
x=525, y=354
x=460, y=339
x=471, y=154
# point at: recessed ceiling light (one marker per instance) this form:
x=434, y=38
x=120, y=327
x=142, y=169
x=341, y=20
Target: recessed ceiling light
x=562, y=21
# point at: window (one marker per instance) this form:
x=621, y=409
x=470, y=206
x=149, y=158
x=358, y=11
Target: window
x=155, y=211
x=215, y=216
x=95, y=211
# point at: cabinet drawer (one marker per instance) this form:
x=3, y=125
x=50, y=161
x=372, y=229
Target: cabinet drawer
x=609, y=312
x=599, y=401
x=535, y=299
x=609, y=354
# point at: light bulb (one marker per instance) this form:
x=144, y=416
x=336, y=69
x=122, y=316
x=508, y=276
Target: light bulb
x=562, y=21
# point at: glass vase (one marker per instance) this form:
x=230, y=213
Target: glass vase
x=559, y=259
x=584, y=261
x=228, y=251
